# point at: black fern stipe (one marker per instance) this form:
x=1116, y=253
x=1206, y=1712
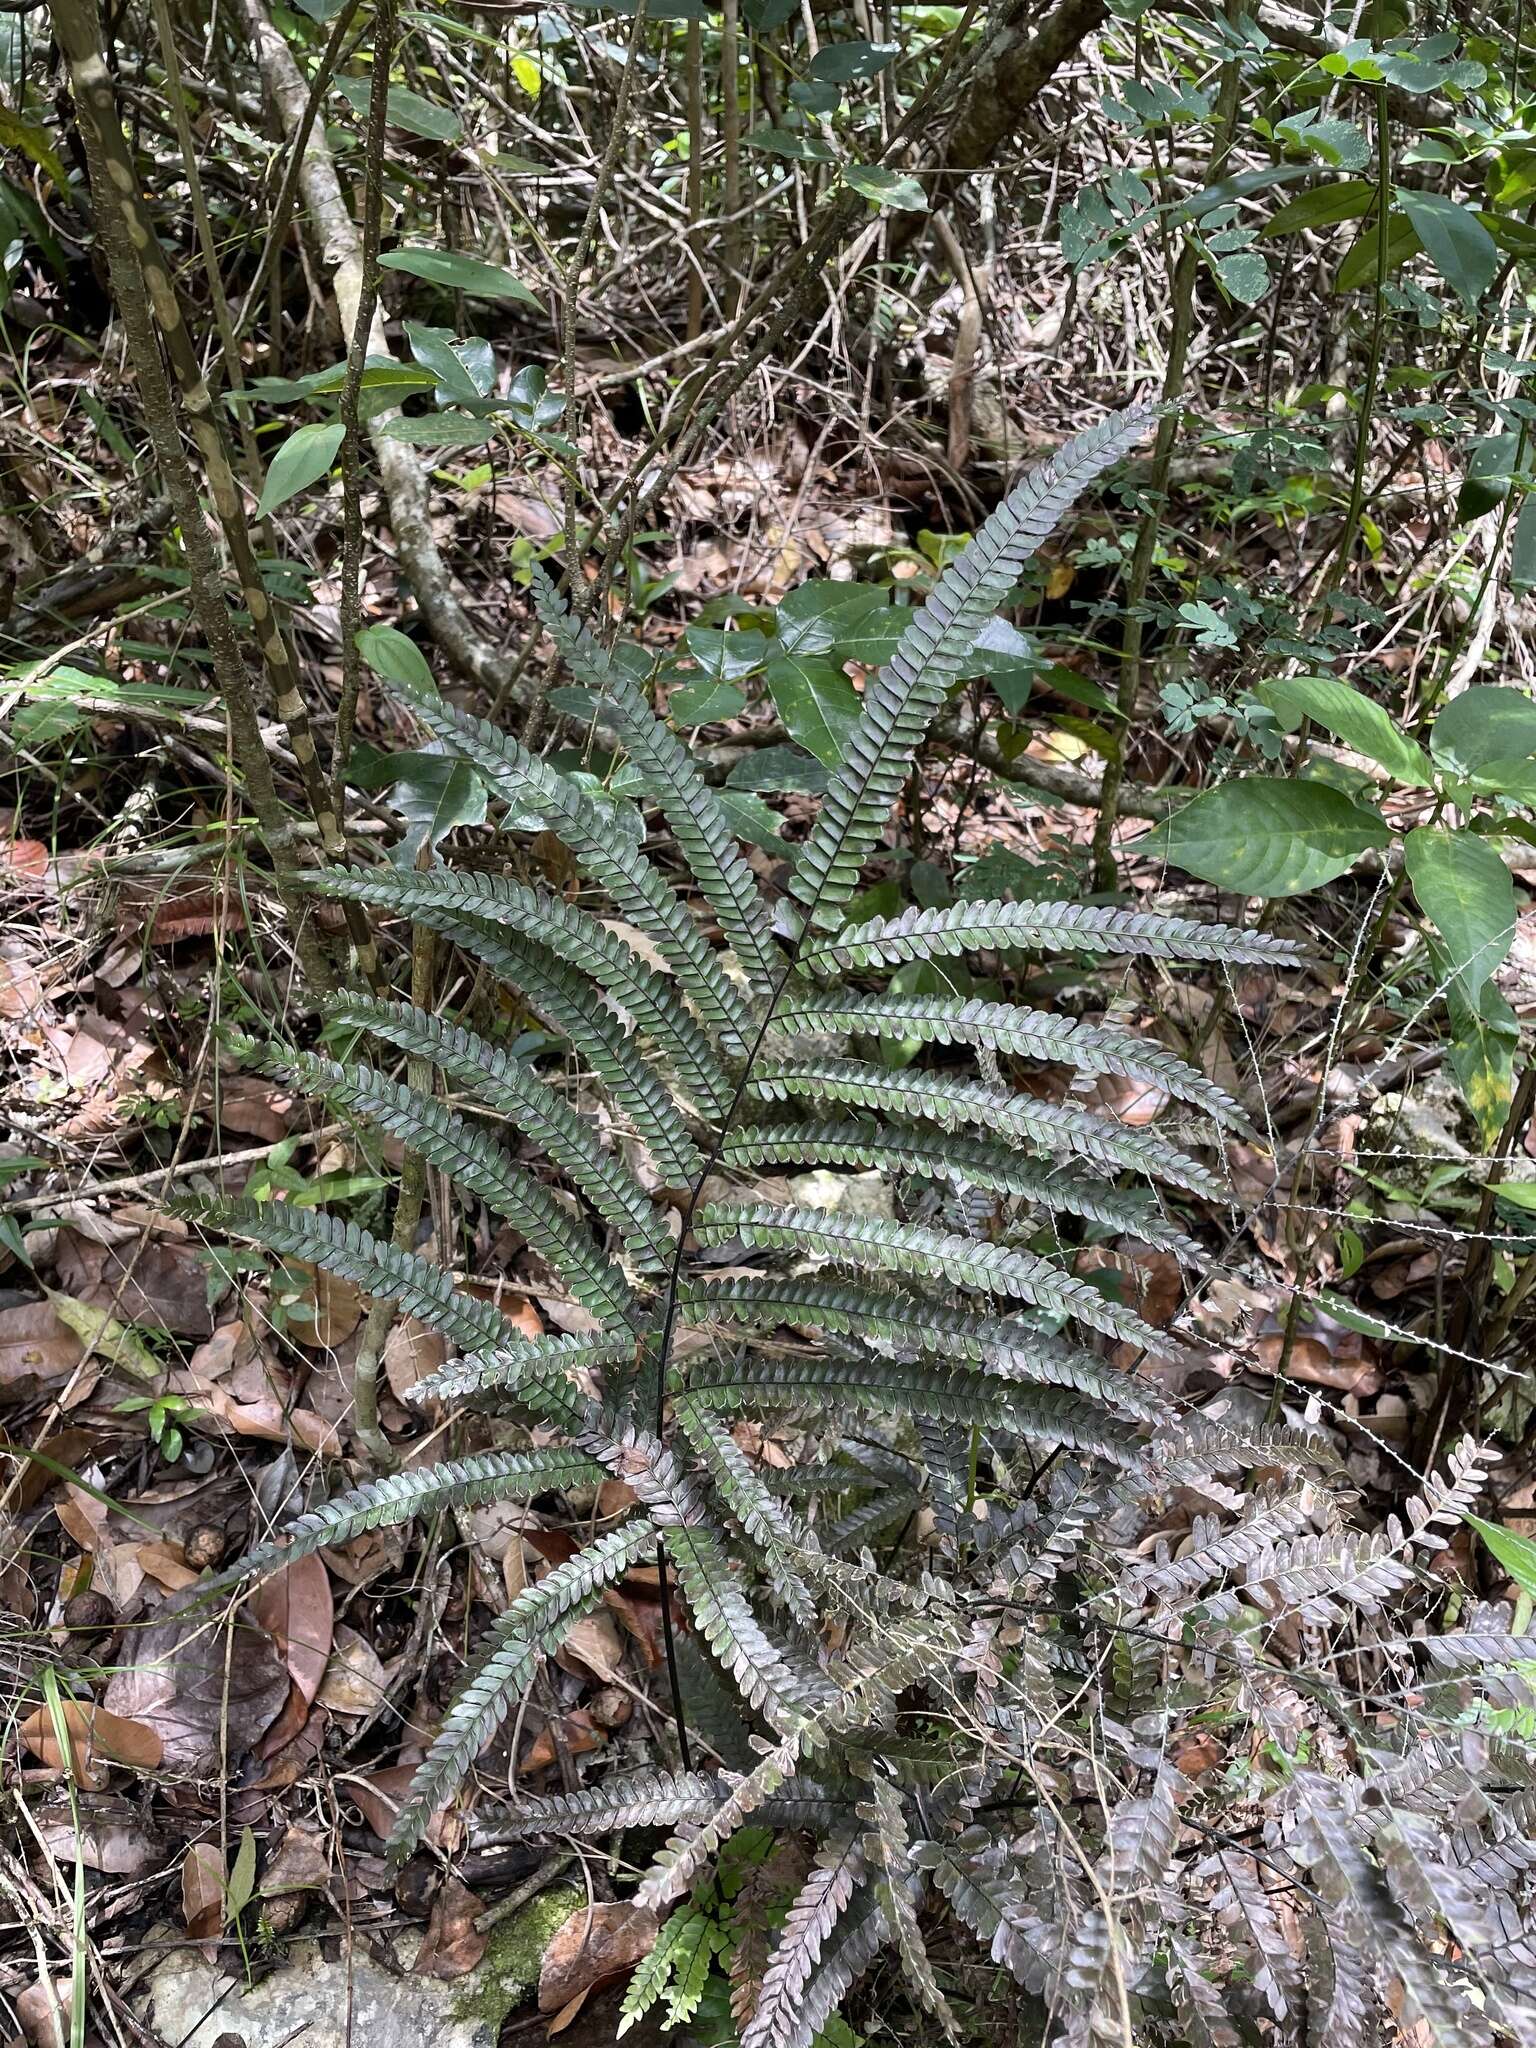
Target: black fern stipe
x=953, y=1631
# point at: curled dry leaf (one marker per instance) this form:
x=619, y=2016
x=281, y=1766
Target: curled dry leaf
x=296, y=1607
x=202, y=1891
x=453, y=1945
x=355, y=1680
x=337, y=1309
x=595, y=1943
x=578, y=1733
x=97, y=1739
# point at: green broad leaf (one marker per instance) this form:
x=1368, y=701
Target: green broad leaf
x=1325, y=207
x=1486, y=1036
x=1468, y=895
x=1266, y=837
x=817, y=703
x=726, y=657
x=406, y=109
x=1522, y=557
x=819, y=615
x=433, y=794
x=1485, y=724
x=461, y=274
x=1490, y=465
x=779, y=770
x=1457, y=243
x=1515, y=1552
x=394, y=656
x=887, y=188
x=1519, y=1194
x=844, y=62
x=1244, y=275
x=816, y=95
x=1336, y=142
x=241, y=1888
x=1357, y=272
x=705, y=702
x=33, y=142
x=1341, y=710
x=465, y=369
x=438, y=430
x=303, y=459
x=753, y=820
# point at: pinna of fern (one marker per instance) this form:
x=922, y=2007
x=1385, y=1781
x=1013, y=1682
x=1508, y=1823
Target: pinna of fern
x=711, y=1065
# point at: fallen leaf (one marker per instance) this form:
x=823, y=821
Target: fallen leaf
x=579, y=1734
x=209, y=1689
x=166, y=1564
x=202, y=1891
x=163, y=1286
x=355, y=1679
x=596, y=1942
x=44, y=2012
x=295, y=1605
x=107, y=1339
x=256, y=1108
x=453, y=1945
x=411, y=1351
x=112, y=1837
x=302, y=1863
x=337, y=1309
x=97, y=1739
x=35, y=1348
x=592, y=1647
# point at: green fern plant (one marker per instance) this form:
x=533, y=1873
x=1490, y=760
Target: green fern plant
x=941, y=1331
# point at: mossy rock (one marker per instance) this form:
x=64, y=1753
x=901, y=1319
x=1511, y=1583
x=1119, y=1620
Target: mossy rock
x=509, y=1969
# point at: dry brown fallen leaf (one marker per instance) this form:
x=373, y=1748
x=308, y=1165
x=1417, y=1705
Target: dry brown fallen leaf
x=596, y=1942
x=579, y=1734
x=295, y=1605
x=97, y=1739
x=337, y=1309
x=355, y=1679
x=209, y=1691
x=112, y=1835
x=166, y=1289
x=411, y=1351
x=36, y=1349
x=44, y=2013
x=453, y=1945
x=202, y=1891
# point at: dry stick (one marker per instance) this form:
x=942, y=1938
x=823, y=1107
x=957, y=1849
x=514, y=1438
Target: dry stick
x=693, y=67
x=80, y=34
x=408, y=1204
x=351, y=395
x=115, y=195
x=568, y=299
x=400, y=472
x=1185, y=272
x=730, y=141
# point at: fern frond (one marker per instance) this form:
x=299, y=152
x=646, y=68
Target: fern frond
x=466, y=907
x=419, y=1288
x=834, y=1877
x=975, y=1162
x=986, y=1888
x=684, y=1856
x=952, y=1102
x=935, y=1329
x=887, y=1850
x=534, y=1625
x=635, y=1799
x=1010, y=1028
x=499, y=1081
x=600, y=846
x=382, y=1503
x=761, y=1516
x=1043, y=1414
x=1218, y=1549
x=672, y=778
x=509, y=1370
x=475, y=1161
x=1039, y=927
x=782, y=1686
x=919, y=1253
x=900, y=702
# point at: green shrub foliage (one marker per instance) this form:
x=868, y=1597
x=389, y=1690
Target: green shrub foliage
x=1239, y=1791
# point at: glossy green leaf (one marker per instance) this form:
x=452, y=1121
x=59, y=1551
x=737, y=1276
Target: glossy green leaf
x=1342, y=710
x=1322, y=208
x=1522, y=556
x=406, y=109
x=887, y=188
x=1515, y=1552
x=1457, y=243
x=1358, y=269
x=303, y=459
x=1486, y=1036
x=394, y=656
x=461, y=274
x=817, y=703
x=843, y=62
x=1467, y=894
x=1266, y=837
x=1485, y=724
